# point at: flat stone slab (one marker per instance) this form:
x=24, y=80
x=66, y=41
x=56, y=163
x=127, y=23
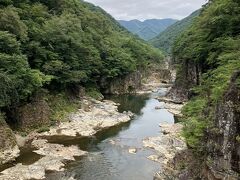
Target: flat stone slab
x=166, y=144
x=57, y=150
x=97, y=116
x=22, y=172
x=55, y=157
x=175, y=109
x=169, y=100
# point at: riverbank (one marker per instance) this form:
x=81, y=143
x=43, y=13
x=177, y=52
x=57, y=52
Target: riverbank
x=94, y=116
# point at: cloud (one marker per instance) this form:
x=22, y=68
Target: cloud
x=149, y=9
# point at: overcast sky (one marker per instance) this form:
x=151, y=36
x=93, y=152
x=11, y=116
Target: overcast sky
x=149, y=9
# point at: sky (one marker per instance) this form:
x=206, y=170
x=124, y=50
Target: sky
x=148, y=9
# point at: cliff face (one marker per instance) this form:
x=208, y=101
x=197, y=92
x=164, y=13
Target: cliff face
x=222, y=160
x=123, y=85
x=224, y=143
x=186, y=78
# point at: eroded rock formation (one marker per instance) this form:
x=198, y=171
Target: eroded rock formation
x=223, y=142
x=8, y=146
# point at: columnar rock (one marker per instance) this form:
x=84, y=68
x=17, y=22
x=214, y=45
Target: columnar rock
x=224, y=142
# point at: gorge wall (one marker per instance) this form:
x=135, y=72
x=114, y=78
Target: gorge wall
x=221, y=140
x=122, y=85
x=187, y=77
x=223, y=144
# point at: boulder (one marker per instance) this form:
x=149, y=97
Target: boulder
x=8, y=146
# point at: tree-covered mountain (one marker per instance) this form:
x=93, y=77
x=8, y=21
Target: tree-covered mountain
x=147, y=29
x=165, y=39
x=61, y=44
x=208, y=59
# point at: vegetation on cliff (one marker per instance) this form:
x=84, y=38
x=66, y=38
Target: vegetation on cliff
x=208, y=54
x=62, y=44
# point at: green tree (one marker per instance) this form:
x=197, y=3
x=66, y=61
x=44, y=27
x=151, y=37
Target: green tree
x=17, y=79
x=11, y=22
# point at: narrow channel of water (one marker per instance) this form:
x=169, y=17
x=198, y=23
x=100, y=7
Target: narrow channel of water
x=109, y=157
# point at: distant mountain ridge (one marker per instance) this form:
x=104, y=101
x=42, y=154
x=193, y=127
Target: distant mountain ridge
x=165, y=39
x=149, y=28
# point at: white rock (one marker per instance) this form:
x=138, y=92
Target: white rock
x=9, y=154
x=111, y=141
x=100, y=115
x=166, y=145
x=51, y=163
x=154, y=158
x=54, y=159
x=20, y=140
x=132, y=150
x=22, y=172
x=57, y=150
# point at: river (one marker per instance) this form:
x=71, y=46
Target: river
x=109, y=157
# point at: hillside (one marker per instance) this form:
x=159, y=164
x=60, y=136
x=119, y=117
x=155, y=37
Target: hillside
x=165, y=39
x=208, y=59
x=147, y=29
x=61, y=45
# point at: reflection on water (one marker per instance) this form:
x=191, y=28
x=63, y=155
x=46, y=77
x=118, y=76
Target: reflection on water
x=108, y=157
x=133, y=103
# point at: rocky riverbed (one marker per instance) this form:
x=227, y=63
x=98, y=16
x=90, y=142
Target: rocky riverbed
x=153, y=82
x=166, y=146
x=93, y=117
x=55, y=156
x=174, y=107
x=169, y=143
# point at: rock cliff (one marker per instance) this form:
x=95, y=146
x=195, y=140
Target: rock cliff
x=224, y=142
x=187, y=77
x=222, y=157
x=128, y=84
